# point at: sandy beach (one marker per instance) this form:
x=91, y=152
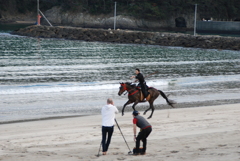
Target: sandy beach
x=199, y=134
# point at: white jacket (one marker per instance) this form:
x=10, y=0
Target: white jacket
x=108, y=114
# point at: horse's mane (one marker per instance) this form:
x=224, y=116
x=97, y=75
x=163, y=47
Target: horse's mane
x=131, y=84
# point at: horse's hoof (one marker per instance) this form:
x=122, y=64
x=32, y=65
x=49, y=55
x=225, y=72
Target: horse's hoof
x=149, y=117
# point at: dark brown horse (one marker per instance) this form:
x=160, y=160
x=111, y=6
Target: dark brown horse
x=135, y=96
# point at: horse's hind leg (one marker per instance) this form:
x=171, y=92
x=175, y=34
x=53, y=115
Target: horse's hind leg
x=146, y=110
x=150, y=107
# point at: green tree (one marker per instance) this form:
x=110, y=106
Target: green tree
x=147, y=9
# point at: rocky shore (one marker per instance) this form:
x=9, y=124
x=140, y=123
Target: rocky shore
x=129, y=36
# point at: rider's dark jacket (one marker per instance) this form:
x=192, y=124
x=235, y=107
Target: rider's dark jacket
x=140, y=78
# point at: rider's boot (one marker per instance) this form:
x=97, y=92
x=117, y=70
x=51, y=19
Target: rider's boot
x=145, y=99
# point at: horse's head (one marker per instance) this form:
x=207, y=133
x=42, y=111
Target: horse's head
x=124, y=87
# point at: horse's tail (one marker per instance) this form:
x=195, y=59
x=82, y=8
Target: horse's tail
x=170, y=102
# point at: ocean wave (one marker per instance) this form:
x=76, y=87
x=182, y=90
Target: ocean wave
x=111, y=85
x=65, y=87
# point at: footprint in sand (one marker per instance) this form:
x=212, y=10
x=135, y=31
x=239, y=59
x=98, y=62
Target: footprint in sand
x=46, y=153
x=174, y=151
x=115, y=153
x=202, y=149
x=122, y=158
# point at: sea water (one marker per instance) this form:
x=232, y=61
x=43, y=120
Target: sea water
x=41, y=78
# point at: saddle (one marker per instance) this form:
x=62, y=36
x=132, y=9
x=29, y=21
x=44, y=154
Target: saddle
x=141, y=94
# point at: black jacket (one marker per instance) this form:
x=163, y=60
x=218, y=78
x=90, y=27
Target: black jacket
x=140, y=78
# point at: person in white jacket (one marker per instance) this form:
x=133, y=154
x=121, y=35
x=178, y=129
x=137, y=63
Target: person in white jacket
x=108, y=116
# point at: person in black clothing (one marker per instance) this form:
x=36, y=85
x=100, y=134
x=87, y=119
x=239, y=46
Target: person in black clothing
x=145, y=130
x=139, y=77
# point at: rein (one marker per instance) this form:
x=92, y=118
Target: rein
x=134, y=92
x=129, y=91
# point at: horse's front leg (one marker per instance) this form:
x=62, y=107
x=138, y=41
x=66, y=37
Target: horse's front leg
x=127, y=103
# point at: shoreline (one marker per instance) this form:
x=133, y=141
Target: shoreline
x=139, y=107
x=202, y=133
x=40, y=119
x=18, y=22
x=131, y=37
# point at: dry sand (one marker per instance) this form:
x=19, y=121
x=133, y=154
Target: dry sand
x=189, y=134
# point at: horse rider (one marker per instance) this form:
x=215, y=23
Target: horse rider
x=139, y=77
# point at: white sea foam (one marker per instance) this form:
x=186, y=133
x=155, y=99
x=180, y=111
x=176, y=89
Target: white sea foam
x=96, y=86
x=5, y=34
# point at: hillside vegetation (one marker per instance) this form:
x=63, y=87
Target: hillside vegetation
x=144, y=9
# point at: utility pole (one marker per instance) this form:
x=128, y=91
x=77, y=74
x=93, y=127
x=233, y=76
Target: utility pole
x=115, y=15
x=195, y=20
x=37, y=7
x=38, y=15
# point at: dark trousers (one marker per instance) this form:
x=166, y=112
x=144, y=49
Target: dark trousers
x=144, y=89
x=142, y=135
x=106, y=137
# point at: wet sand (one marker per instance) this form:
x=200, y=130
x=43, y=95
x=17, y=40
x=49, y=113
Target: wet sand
x=199, y=134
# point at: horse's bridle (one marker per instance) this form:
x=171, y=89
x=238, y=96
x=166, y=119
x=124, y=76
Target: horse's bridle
x=128, y=90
